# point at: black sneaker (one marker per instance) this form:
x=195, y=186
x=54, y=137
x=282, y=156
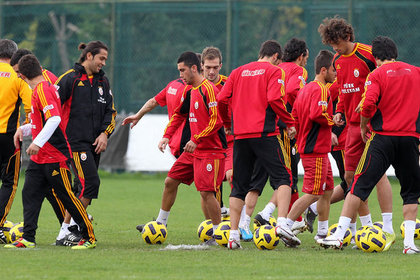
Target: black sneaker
x=73, y=237
x=309, y=217
x=140, y=227
x=59, y=242
x=3, y=239
x=260, y=221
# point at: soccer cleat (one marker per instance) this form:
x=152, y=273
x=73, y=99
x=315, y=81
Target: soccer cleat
x=287, y=236
x=20, y=243
x=299, y=227
x=3, y=239
x=410, y=250
x=210, y=242
x=309, y=217
x=390, y=239
x=319, y=236
x=330, y=242
x=140, y=227
x=60, y=242
x=84, y=244
x=234, y=244
x=260, y=221
x=246, y=234
x=73, y=238
x=224, y=211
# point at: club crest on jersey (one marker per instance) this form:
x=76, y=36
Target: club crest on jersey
x=209, y=167
x=356, y=72
x=196, y=105
x=83, y=156
x=101, y=91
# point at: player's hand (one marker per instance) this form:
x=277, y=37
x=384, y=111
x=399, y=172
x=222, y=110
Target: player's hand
x=291, y=132
x=162, y=144
x=365, y=132
x=100, y=142
x=32, y=149
x=334, y=139
x=228, y=131
x=133, y=119
x=359, y=107
x=17, y=138
x=337, y=119
x=190, y=147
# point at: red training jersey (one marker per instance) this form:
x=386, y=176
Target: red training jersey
x=352, y=70
x=341, y=131
x=219, y=84
x=312, y=113
x=392, y=99
x=296, y=77
x=257, y=94
x=171, y=96
x=200, y=105
x=46, y=103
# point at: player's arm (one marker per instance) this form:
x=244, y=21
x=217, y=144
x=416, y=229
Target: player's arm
x=147, y=107
x=275, y=97
x=367, y=106
x=25, y=94
x=224, y=100
x=294, y=84
x=65, y=86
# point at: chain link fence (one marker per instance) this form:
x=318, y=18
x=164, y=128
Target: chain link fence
x=146, y=37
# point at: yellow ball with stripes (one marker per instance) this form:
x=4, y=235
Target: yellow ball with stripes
x=372, y=240
x=16, y=232
x=154, y=233
x=7, y=226
x=265, y=238
x=222, y=233
x=205, y=230
x=347, y=235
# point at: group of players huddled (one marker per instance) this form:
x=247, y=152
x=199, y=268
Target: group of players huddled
x=70, y=120
x=256, y=124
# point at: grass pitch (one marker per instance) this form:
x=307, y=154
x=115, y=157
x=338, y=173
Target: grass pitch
x=129, y=199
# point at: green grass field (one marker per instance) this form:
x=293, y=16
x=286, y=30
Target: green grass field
x=129, y=199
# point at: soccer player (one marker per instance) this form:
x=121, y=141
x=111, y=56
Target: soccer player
x=295, y=57
x=353, y=62
x=49, y=153
x=391, y=104
x=169, y=96
x=85, y=92
x=312, y=112
x=51, y=196
x=256, y=91
x=202, y=161
x=13, y=91
x=211, y=63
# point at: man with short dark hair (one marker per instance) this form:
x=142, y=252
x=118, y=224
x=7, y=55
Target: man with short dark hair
x=13, y=92
x=256, y=91
x=391, y=104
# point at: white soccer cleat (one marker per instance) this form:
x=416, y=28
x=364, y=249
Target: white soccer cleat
x=318, y=236
x=287, y=236
x=225, y=211
x=330, y=242
x=299, y=227
x=234, y=244
x=410, y=250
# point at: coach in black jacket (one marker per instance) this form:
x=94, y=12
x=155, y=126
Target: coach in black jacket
x=87, y=100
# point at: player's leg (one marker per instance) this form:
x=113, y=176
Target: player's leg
x=56, y=204
x=243, y=158
x=10, y=167
x=61, y=183
x=376, y=159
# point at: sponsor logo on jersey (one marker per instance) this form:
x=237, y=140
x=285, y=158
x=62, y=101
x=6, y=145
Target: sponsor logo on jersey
x=83, y=156
x=55, y=173
x=209, y=167
x=5, y=74
x=48, y=107
x=101, y=100
x=356, y=72
x=302, y=80
x=213, y=104
x=338, y=67
x=172, y=91
x=323, y=103
x=368, y=83
x=80, y=84
x=280, y=81
x=249, y=73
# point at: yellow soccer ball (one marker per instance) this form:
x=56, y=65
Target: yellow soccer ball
x=372, y=240
x=347, y=235
x=205, y=230
x=265, y=238
x=16, y=232
x=222, y=232
x=272, y=221
x=154, y=233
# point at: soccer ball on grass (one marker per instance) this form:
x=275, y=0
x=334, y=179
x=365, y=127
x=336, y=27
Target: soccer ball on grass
x=265, y=237
x=205, y=230
x=154, y=233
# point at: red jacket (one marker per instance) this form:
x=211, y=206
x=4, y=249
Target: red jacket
x=257, y=96
x=200, y=105
x=392, y=99
x=352, y=71
x=296, y=77
x=312, y=112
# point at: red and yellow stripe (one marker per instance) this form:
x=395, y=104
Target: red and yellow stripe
x=43, y=100
x=213, y=110
x=362, y=160
x=318, y=175
x=324, y=97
